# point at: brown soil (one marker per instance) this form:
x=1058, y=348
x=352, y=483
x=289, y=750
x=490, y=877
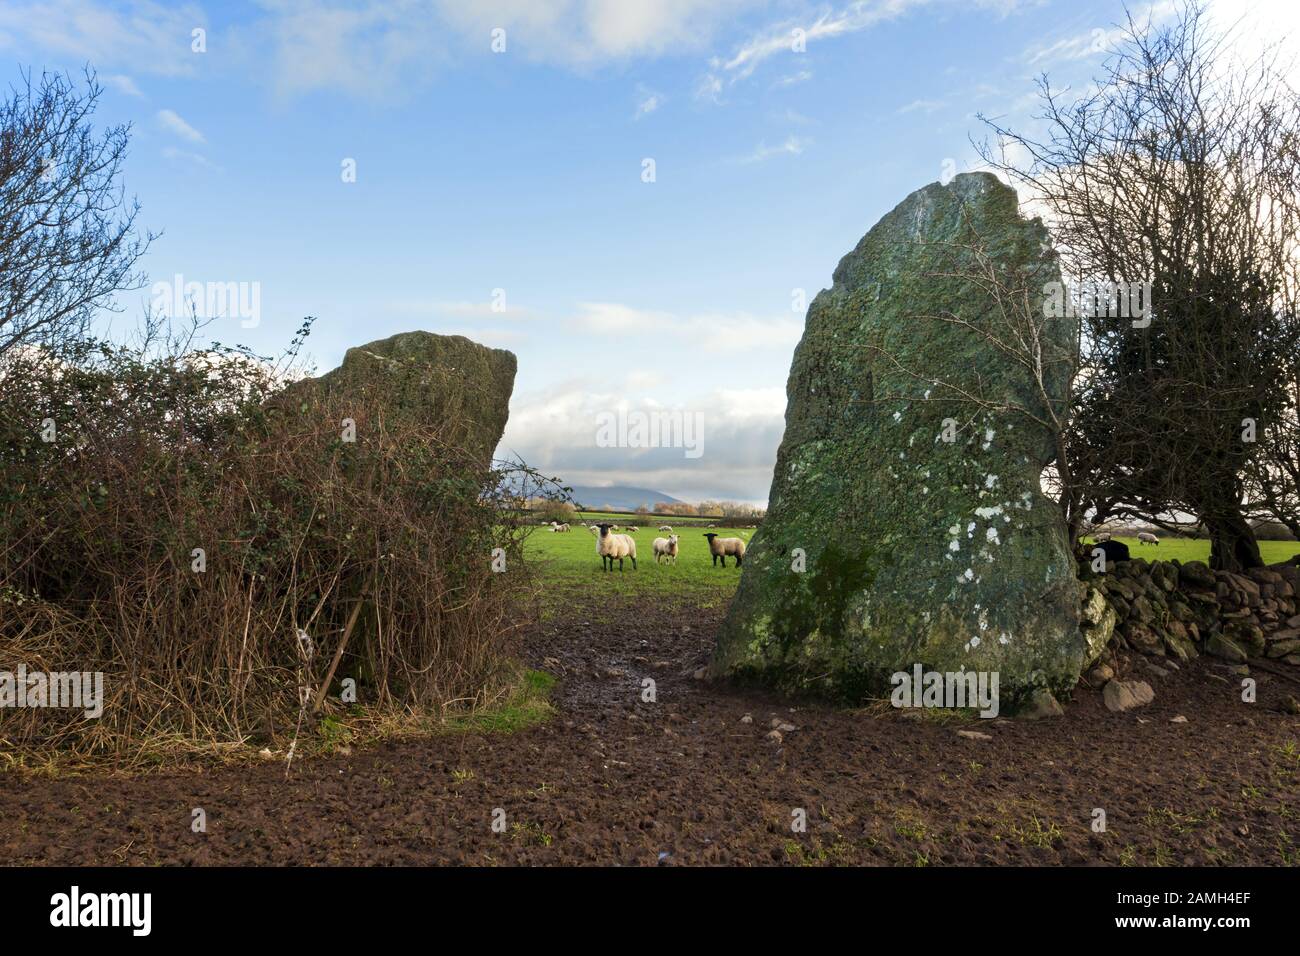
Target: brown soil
x=613, y=780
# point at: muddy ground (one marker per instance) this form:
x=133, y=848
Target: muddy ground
x=613, y=780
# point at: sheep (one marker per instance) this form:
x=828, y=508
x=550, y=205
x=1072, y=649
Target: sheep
x=630, y=529
x=1146, y=537
x=666, y=548
x=1101, y=537
x=593, y=529
x=1114, y=550
x=611, y=546
x=721, y=547
x=664, y=527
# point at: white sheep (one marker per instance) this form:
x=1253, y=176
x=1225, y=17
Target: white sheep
x=666, y=548
x=1101, y=536
x=664, y=527
x=611, y=546
x=721, y=547
x=1146, y=537
x=630, y=529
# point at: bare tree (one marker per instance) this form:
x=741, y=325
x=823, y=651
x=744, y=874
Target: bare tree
x=67, y=235
x=1178, y=168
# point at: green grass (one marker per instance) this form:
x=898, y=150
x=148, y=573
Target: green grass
x=1198, y=549
x=529, y=704
x=570, y=568
x=569, y=565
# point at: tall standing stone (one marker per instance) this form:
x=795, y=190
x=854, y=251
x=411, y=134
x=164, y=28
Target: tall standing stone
x=915, y=549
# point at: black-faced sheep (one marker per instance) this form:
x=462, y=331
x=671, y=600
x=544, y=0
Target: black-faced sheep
x=611, y=546
x=1146, y=537
x=721, y=547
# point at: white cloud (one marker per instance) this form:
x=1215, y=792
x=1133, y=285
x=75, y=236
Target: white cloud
x=613, y=318
x=123, y=84
x=710, y=332
x=555, y=431
x=780, y=38
x=141, y=35
x=647, y=101
x=582, y=32
x=185, y=156
x=709, y=88
x=793, y=146
x=793, y=79
x=173, y=123
x=462, y=309
x=923, y=106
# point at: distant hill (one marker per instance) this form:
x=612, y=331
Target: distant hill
x=619, y=497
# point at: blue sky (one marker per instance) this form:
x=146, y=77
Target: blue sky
x=522, y=171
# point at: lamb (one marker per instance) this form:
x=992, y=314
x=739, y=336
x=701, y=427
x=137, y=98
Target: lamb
x=1101, y=537
x=666, y=548
x=611, y=546
x=631, y=529
x=664, y=527
x=1146, y=537
x=721, y=547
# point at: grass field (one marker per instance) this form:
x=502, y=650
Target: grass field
x=569, y=564
x=1198, y=549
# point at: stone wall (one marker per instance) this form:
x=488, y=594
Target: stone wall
x=1184, y=609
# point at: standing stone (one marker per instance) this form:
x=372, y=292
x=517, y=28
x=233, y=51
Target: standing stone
x=918, y=549
x=443, y=379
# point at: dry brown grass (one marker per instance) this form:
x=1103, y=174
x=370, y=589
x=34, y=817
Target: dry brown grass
x=302, y=532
